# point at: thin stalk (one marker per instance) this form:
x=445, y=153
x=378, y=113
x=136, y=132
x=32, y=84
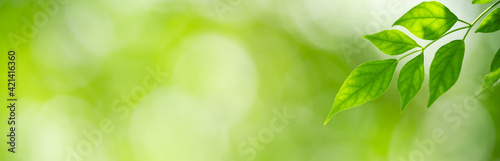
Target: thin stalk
x=409, y=54
x=458, y=29
x=465, y=22
x=479, y=17
x=469, y=27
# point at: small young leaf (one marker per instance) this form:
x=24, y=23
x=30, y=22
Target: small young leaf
x=365, y=83
x=491, y=23
x=392, y=42
x=491, y=79
x=495, y=64
x=411, y=79
x=445, y=69
x=428, y=20
x=494, y=75
x=481, y=1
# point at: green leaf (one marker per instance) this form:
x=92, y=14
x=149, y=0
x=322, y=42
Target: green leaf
x=445, y=69
x=495, y=64
x=481, y=1
x=491, y=23
x=367, y=82
x=491, y=79
x=428, y=20
x=411, y=79
x=494, y=75
x=392, y=42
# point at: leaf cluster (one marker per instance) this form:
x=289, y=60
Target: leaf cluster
x=428, y=21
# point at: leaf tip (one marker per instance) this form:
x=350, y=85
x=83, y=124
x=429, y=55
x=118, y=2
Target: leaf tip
x=326, y=121
x=431, y=101
x=329, y=118
x=402, y=108
x=395, y=23
x=429, y=104
x=330, y=115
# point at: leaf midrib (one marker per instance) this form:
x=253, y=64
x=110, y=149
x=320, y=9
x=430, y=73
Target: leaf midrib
x=396, y=42
x=440, y=78
x=371, y=81
x=427, y=18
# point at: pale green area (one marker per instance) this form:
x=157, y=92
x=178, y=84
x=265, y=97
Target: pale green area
x=225, y=82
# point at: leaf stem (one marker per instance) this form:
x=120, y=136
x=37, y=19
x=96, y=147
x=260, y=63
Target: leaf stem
x=409, y=54
x=465, y=22
x=479, y=17
x=422, y=49
x=458, y=29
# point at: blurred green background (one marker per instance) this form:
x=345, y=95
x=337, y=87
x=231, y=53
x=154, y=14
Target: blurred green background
x=229, y=80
